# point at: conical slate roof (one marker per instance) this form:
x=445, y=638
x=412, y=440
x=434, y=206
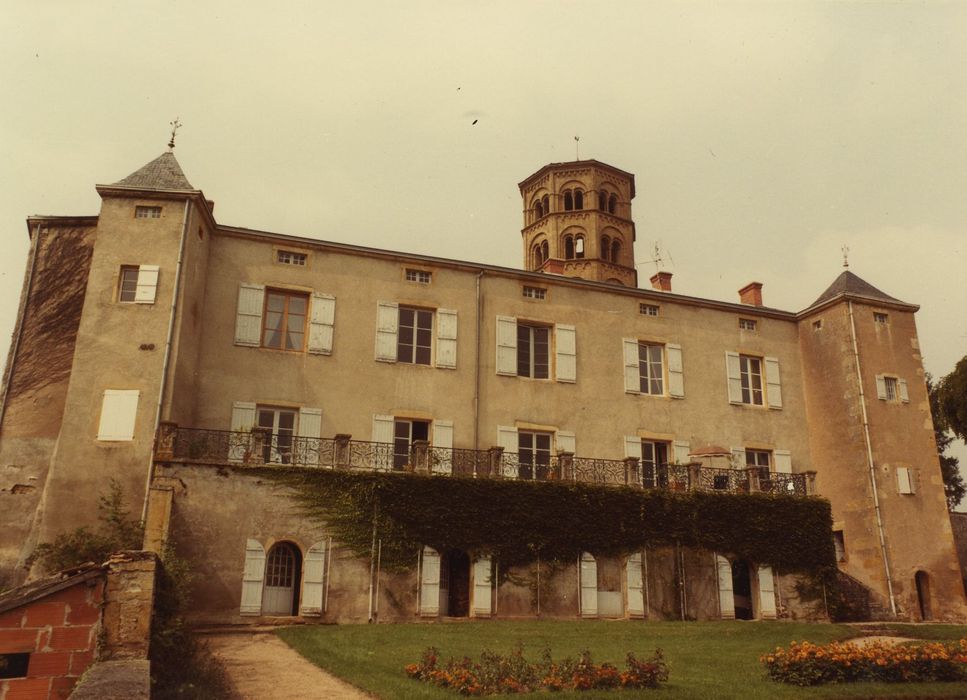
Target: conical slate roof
x=163, y=173
x=849, y=284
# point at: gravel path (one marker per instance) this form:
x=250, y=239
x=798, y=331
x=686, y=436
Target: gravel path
x=263, y=667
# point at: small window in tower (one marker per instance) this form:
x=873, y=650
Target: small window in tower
x=420, y=276
x=147, y=212
x=615, y=250
x=288, y=257
x=568, y=247
x=579, y=247
x=605, y=247
x=546, y=201
x=612, y=204
x=648, y=309
x=568, y=200
x=818, y=324
x=603, y=200
x=881, y=318
x=534, y=292
x=578, y=199
x=538, y=209
x=748, y=324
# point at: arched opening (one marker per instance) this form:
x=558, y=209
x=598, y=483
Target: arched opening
x=922, y=581
x=538, y=209
x=544, y=251
x=578, y=199
x=603, y=200
x=536, y=256
x=283, y=572
x=455, y=583
x=546, y=204
x=615, y=250
x=568, y=248
x=568, y=200
x=605, y=247
x=742, y=590
x=579, y=247
x=612, y=204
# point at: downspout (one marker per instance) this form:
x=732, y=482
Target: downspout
x=869, y=459
x=166, y=359
x=476, y=374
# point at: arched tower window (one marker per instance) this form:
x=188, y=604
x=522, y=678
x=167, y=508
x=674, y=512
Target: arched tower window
x=568, y=248
x=536, y=256
x=578, y=199
x=579, y=247
x=538, y=209
x=612, y=204
x=546, y=202
x=603, y=200
x=615, y=250
x=544, y=251
x=568, y=200
x=605, y=247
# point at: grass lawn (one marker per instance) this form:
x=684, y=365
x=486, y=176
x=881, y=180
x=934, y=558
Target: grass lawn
x=707, y=660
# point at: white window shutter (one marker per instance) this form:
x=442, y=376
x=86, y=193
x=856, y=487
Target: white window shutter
x=565, y=338
x=676, y=372
x=243, y=420
x=430, y=583
x=633, y=446
x=565, y=441
x=726, y=596
x=904, y=394
x=507, y=346
x=738, y=458
x=253, y=574
x=733, y=372
x=481, y=605
x=783, y=459
x=636, y=600
x=507, y=438
x=446, y=339
x=119, y=409
x=310, y=428
x=387, y=330
x=767, y=594
x=382, y=428
x=589, y=586
x=632, y=369
x=248, y=319
x=147, y=287
x=881, y=387
x=442, y=462
x=681, y=452
x=322, y=321
x=313, y=572
x=904, y=479
x=773, y=385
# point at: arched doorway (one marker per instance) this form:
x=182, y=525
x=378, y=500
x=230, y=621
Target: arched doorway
x=456, y=576
x=283, y=571
x=922, y=581
x=742, y=590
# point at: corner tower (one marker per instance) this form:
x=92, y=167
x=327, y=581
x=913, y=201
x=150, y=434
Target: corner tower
x=577, y=222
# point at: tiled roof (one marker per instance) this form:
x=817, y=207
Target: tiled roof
x=163, y=173
x=849, y=284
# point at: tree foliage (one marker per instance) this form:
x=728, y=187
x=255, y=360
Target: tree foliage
x=952, y=399
x=953, y=482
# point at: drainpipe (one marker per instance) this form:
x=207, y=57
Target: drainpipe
x=476, y=375
x=869, y=460
x=167, y=358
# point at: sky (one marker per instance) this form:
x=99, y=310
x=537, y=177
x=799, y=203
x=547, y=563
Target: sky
x=764, y=137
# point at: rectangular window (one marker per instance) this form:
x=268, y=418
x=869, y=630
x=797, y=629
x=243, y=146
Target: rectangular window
x=818, y=325
x=533, y=351
x=278, y=427
x=647, y=309
x=415, y=338
x=748, y=324
x=839, y=545
x=654, y=463
x=288, y=257
x=129, y=284
x=147, y=212
x=879, y=317
x=138, y=284
x=284, y=325
x=421, y=276
x=750, y=369
x=405, y=432
x=534, y=454
x=535, y=293
x=14, y=665
x=890, y=384
x=651, y=375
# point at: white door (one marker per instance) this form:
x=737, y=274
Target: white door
x=278, y=594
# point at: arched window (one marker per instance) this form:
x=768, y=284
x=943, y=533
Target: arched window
x=546, y=202
x=544, y=251
x=603, y=200
x=605, y=247
x=615, y=250
x=578, y=199
x=568, y=200
x=538, y=209
x=280, y=595
x=536, y=255
x=568, y=248
x=612, y=204
x=579, y=247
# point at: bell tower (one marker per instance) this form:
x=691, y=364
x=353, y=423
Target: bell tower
x=577, y=222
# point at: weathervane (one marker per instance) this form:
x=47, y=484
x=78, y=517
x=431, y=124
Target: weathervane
x=845, y=250
x=577, y=147
x=174, y=128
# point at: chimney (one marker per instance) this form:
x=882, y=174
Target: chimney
x=751, y=294
x=662, y=281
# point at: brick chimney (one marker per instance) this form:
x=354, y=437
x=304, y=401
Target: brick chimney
x=751, y=294
x=662, y=281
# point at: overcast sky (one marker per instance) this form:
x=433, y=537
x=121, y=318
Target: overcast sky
x=763, y=136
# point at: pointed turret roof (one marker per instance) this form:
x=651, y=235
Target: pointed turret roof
x=849, y=285
x=163, y=173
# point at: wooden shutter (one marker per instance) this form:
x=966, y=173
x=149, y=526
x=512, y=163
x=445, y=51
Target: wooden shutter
x=446, y=339
x=248, y=319
x=310, y=428
x=738, y=458
x=507, y=346
x=321, y=323
x=676, y=372
x=482, y=588
x=382, y=428
x=733, y=371
x=589, y=586
x=565, y=441
x=430, y=583
x=767, y=594
x=881, y=387
x=243, y=420
x=904, y=393
x=636, y=600
x=253, y=573
x=443, y=437
x=507, y=438
x=147, y=286
x=726, y=596
x=632, y=369
x=119, y=409
x=773, y=385
x=313, y=572
x=633, y=446
x=566, y=343
x=904, y=478
x=783, y=460
x=387, y=329
x=681, y=452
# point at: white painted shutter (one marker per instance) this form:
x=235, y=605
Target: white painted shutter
x=446, y=339
x=738, y=458
x=636, y=600
x=904, y=394
x=119, y=409
x=430, y=583
x=726, y=596
x=733, y=372
x=589, y=586
x=565, y=441
x=313, y=571
x=676, y=372
x=566, y=341
x=443, y=437
x=248, y=319
x=773, y=385
x=387, y=329
x=147, y=286
x=767, y=594
x=321, y=323
x=382, y=428
x=904, y=478
x=310, y=428
x=507, y=438
x=507, y=346
x=482, y=587
x=881, y=387
x=632, y=446
x=632, y=369
x=783, y=459
x=253, y=574
x=243, y=420
x=681, y=452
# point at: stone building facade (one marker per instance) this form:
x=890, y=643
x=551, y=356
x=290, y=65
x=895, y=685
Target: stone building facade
x=164, y=350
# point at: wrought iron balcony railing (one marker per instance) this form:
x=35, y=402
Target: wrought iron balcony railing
x=263, y=448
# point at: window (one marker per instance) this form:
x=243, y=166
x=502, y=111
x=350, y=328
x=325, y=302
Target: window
x=420, y=276
x=818, y=325
x=892, y=392
x=615, y=250
x=405, y=432
x=405, y=334
x=568, y=200
x=524, y=349
x=839, y=545
x=892, y=389
x=745, y=380
x=645, y=363
x=578, y=199
x=612, y=204
x=647, y=309
x=538, y=209
x=906, y=482
x=284, y=321
x=603, y=200
x=534, y=292
x=534, y=454
x=747, y=324
x=119, y=408
x=138, y=284
x=533, y=348
x=650, y=372
x=758, y=458
x=14, y=665
x=279, y=426
x=415, y=336
x=546, y=201
x=881, y=318
x=288, y=257
x=147, y=212
x=751, y=372
x=654, y=463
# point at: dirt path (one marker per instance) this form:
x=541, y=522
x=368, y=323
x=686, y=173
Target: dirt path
x=263, y=667
x=878, y=638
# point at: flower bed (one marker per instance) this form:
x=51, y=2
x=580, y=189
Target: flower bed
x=495, y=674
x=838, y=662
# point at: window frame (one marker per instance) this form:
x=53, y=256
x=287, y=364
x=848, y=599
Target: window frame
x=417, y=276
x=652, y=310
x=748, y=324
x=283, y=330
x=147, y=211
x=747, y=378
x=401, y=458
x=413, y=346
x=296, y=258
x=645, y=368
x=881, y=318
x=535, y=293
x=534, y=460
x=273, y=450
x=531, y=353
x=126, y=272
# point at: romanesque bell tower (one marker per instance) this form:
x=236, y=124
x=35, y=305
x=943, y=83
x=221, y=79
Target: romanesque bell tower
x=577, y=222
